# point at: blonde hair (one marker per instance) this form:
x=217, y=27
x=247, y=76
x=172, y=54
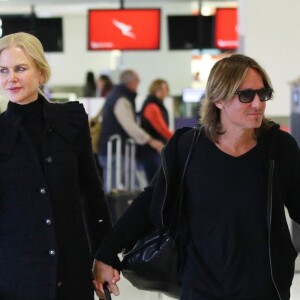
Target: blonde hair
x=224, y=79
x=156, y=85
x=32, y=48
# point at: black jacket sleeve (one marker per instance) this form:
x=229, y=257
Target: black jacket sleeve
x=96, y=213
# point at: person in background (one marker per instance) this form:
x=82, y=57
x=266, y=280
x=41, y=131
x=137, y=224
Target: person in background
x=119, y=118
x=104, y=85
x=243, y=172
x=89, y=88
x=52, y=209
x=154, y=120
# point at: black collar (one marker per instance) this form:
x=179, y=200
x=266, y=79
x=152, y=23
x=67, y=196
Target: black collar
x=65, y=119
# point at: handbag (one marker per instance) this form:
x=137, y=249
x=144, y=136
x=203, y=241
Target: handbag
x=153, y=262
x=95, y=130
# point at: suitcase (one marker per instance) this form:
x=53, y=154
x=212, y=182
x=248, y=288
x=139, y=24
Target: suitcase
x=121, y=193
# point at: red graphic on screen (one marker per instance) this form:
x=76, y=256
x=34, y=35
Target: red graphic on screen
x=226, y=31
x=124, y=29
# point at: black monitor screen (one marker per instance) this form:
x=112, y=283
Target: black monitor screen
x=48, y=30
x=190, y=32
x=14, y=23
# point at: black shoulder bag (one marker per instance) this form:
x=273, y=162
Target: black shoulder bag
x=152, y=264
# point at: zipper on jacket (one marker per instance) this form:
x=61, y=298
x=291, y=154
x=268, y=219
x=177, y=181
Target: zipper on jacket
x=270, y=207
x=196, y=133
x=166, y=177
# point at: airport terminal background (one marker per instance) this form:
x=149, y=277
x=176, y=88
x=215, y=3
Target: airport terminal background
x=264, y=29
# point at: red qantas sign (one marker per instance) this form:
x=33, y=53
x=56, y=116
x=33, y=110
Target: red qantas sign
x=124, y=29
x=226, y=32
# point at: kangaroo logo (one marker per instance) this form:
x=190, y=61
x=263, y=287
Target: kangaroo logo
x=124, y=28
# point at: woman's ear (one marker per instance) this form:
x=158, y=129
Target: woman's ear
x=42, y=78
x=219, y=104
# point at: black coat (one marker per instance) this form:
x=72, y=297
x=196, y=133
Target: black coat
x=52, y=214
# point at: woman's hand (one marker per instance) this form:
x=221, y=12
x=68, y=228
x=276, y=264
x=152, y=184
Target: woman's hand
x=105, y=274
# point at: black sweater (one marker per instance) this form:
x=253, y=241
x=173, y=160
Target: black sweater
x=228, y=250
x=33, y=122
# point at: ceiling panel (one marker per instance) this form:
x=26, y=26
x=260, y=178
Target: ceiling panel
x=98, y=2
x=71, y=6
x=84, y=2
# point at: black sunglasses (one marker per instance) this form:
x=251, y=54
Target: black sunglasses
x=247, y=96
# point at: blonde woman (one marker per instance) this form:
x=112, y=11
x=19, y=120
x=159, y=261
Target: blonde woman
x=52, y=209
x=155, y=121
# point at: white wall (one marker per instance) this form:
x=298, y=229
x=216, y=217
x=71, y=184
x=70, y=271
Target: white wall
x=69, y=67
x=270, y=30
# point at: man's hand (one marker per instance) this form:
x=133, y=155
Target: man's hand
x=105, y=274
x=156, y=144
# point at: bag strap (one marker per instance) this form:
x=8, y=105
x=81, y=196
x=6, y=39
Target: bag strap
x=179, y=201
